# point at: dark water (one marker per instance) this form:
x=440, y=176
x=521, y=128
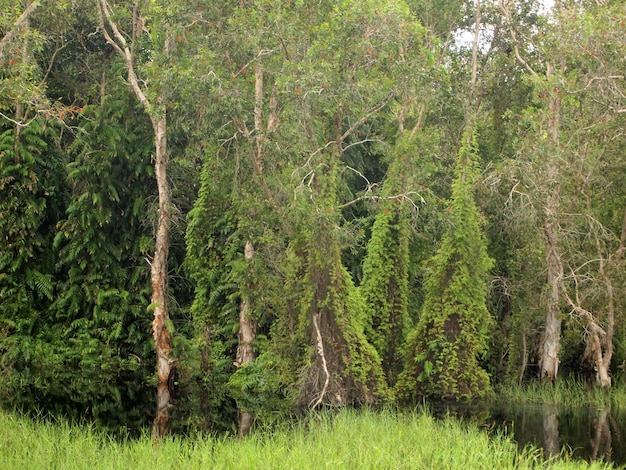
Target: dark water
x=585, y=433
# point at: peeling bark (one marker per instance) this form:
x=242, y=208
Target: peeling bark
x=551, y=341
x=158, y=276
x=245, y=348
x=158, y=267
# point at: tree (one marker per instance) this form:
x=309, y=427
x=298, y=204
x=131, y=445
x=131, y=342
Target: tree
x=578, y=267
x=592, y=263
x=550, y=183
x=155, y=107
x=443, y=352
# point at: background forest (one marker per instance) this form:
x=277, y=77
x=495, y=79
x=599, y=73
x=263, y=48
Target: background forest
x=255, y=208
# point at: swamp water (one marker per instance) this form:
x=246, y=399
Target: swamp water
x=584, y=433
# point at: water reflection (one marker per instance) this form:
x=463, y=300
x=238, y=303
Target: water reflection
x=601, y=445
x=551, y=446
x=585, y=433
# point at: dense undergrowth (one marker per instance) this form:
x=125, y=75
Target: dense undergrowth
x=348, y=439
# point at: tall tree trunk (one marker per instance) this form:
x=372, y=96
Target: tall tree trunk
x=247, y=328
x=245, y=349
x=158, y=278
x=158, y=268
x=551, y=341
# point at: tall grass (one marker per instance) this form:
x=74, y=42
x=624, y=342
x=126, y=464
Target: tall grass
x=567, y=391
x=347, y=440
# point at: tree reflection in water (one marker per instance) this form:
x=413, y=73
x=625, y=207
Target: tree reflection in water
x=584, y=433
x=551, y=446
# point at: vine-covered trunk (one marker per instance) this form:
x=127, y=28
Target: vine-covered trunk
x=158, y=277
x=344, y=368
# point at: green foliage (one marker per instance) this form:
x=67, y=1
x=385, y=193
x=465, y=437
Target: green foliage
x=259, y=387
x=444, y=349
x=213, y=248
x=362, y=103
x=83, y=352
x=31, y=187
x=385, y=285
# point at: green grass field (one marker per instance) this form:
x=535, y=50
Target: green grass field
x=346, y=440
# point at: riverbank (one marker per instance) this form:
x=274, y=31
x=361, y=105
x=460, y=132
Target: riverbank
x=346, y=440
x=566, y=391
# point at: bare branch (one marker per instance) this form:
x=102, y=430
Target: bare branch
x=50, y=65
x=595, y=79
x=420, y=120
x=403, y=197
x=361, y=142
x=18, y=123
x=373, y=110
x=119, y=44
x=509, y=20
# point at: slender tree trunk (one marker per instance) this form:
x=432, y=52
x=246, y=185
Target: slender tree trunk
x=158, y=268
x=551, y=341
x=245, y=349
x=158, y=278
x=247, y=328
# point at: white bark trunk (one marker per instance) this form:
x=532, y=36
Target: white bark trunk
x=551, y=342
x=158, y=276
x=158, y=268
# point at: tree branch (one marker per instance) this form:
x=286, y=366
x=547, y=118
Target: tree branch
x=121, y=47
x=17, y=25
x=509, y=20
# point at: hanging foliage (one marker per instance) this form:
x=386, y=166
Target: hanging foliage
x=444, y=351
